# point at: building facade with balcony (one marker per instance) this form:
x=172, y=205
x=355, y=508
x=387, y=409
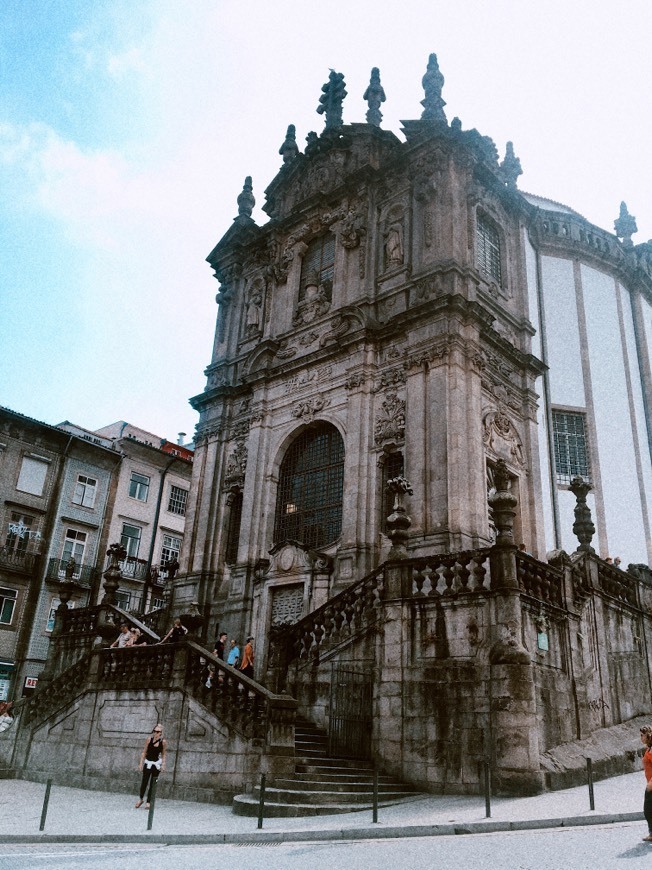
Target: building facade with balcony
x=148, y=511
x=55, y=488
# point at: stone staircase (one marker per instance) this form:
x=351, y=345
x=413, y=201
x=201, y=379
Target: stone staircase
x=322, y=785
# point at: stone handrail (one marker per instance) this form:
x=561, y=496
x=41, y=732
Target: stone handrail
x=447, y=574
x=239, y=701
x=616, y=583
x=341, y=618
x=540, y=580
x=52, y=694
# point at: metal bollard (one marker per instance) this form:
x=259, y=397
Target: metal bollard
x=261, y=802
x=46, y=801
x=487, y=790
x=589, y=775
x=150, y=814
x=375, y=812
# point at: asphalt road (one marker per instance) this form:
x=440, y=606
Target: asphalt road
x=593, y=848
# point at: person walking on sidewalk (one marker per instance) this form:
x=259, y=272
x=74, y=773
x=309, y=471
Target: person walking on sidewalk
x=646, y=740
x=152, y=762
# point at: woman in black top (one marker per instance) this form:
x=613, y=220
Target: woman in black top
x=176, y=633
x=152, y=762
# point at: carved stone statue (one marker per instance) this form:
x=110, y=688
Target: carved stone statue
x=394, y=246
x=289, y=149
x=246, y=201
x=254, y=307
x=374, y=96
x=330, y=102
x=433, y=82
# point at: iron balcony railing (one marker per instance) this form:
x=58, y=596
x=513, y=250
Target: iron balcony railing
x=62, y=569
x=24, y=562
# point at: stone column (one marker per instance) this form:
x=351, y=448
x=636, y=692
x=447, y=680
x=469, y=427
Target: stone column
x=514, y=737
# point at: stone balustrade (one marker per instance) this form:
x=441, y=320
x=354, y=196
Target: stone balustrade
x=448, y=574
x=540, y=580
x=616, y=583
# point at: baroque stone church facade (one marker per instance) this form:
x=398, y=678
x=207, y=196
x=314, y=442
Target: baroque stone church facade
x=375, y=327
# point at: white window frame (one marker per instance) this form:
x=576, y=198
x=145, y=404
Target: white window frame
x=16, y=543
x=32, y=475
x=168, y=549
x=77, y=540
x=178, y=500
x=125, y=537
x=85, y=491
x=139, y=486
x=7, y=594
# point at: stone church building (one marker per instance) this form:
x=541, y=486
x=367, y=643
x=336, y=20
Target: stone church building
x=426, y=386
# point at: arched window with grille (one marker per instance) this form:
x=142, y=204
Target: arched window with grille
x=318, y=264
x=488, y=254
x=311, y=481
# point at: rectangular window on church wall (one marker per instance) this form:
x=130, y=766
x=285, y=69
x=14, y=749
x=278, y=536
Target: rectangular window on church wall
x=318, y=264
x=392, y=467
x=488, y=250
x=571, y=448
x=233, y=529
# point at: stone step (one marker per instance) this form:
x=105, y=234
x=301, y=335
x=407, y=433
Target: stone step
x=329, y=765
x=385, y=785
x=320, y=798
x=246, y=805
x=343, y=777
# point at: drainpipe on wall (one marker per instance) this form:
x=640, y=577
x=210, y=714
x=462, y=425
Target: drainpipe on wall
x=150, y=558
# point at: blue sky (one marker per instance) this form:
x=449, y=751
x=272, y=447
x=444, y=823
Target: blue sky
x=127, y=128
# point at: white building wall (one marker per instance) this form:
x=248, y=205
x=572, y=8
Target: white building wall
x=626, y=535
x=562, y=333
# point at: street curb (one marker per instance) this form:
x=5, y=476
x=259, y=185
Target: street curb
x=389, y=833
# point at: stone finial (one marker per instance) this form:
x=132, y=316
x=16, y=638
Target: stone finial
x=246, y=201
x=583, y=527
x=503, y=502
x=374, y=96
x=312, y=142
x=511, y=166
x=112, y=575
x=289, y=149
x=330, y=102
x=625, y=226
x=433, y=82
x=398, y=522
x=456, y=125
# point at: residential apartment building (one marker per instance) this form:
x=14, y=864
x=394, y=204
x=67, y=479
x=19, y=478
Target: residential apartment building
x=54, y=496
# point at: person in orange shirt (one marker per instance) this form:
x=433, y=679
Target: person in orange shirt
x=247, y=666
x=646, y=740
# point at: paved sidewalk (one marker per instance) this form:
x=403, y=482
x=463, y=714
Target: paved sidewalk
x=76, y=815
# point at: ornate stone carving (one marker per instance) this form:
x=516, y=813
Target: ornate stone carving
x=625, y=226
x=583, y=527
x=428, y=287
x=246, y=201
x=398, y=522
x=433, y=82
x=351, y=230
x=253, y=318
x=330, y=102
x=390, y=424
x=392, y=378
x=306, y=410
x=289, y=149
x=394, y=255
x=286, y=350
x=308, y=338
x=355, y=381
x=314, y=304
x=287, y=605
x=236, y=466
x=500, y=436
x=511, y=166
x=297, y=382
x=339, y=327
